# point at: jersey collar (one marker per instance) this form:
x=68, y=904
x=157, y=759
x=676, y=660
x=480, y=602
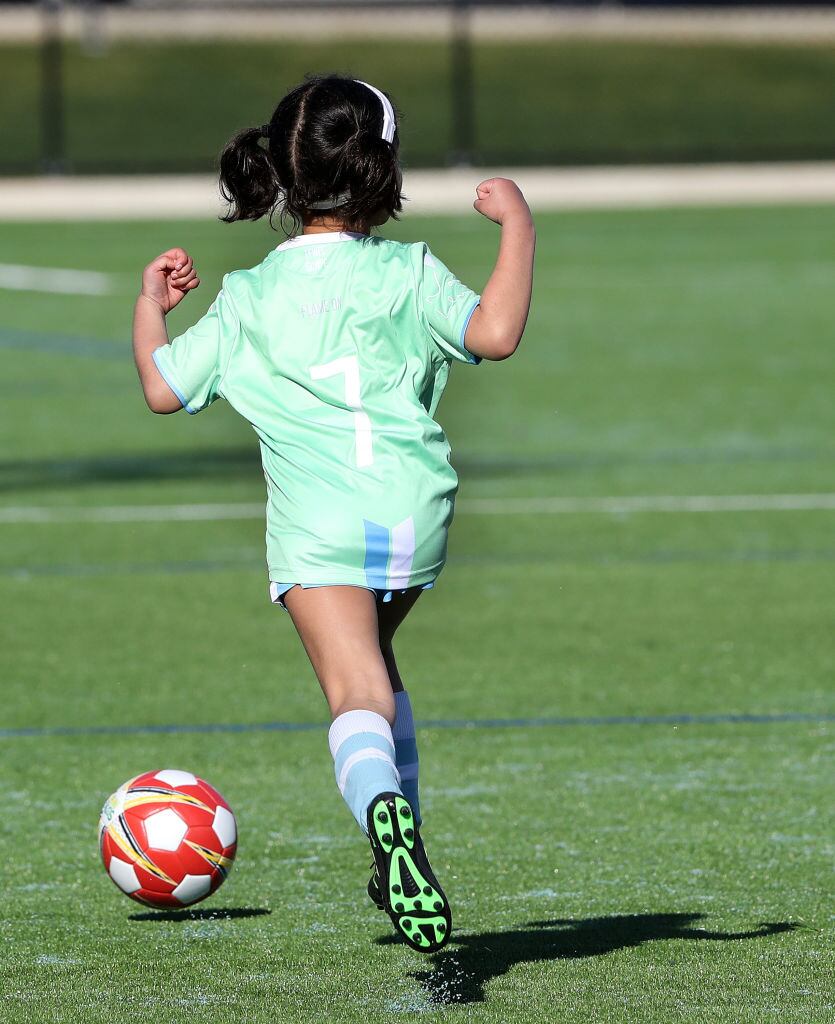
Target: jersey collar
x=320, y=238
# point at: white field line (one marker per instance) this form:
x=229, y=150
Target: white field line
x=621, y=505
x=447, y=190
x=625, y=504
x=20, y=278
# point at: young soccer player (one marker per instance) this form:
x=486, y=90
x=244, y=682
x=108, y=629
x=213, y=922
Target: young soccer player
x=336, y=348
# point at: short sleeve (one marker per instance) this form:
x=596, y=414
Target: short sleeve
x=193, y=364
x=446, y=306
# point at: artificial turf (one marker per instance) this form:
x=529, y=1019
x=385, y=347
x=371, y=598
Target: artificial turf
x=651, y=870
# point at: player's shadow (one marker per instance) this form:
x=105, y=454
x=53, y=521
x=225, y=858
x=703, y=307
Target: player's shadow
x=221, y=914
x=223, y=464
x=242, y=462
x=460, y=974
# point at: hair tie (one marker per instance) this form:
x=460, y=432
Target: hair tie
x=265, y=130
x=331, y=202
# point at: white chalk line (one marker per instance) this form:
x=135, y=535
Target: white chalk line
x=19, y=277
x=439, y=191
x=613, y=505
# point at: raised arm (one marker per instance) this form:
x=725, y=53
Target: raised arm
x=165, y=282
x=496, y=327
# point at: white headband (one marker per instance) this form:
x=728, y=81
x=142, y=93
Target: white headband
x=388, y=112
x=388, y=134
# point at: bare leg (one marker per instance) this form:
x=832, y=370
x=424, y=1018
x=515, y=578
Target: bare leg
x=339, y=628
x=347, y=634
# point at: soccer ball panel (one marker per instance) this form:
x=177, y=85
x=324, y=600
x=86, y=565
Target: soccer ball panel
x=207, y=854
x=211, y=795
x=192, y=888
x=204, y=837
x=224, y=826
x=156, y=900
x=200, y=851
x=175, y=778
x=165, y=829
x=123, y=875
x=113, y=807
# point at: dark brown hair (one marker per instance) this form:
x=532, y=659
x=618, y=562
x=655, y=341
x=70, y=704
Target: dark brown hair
x=323, y=140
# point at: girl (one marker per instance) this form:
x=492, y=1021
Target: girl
x=336, y=348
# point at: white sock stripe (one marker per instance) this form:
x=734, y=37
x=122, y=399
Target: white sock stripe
x=366, y=754
x=351, y=722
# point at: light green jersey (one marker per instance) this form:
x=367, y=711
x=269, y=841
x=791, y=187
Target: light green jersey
x=337, y=348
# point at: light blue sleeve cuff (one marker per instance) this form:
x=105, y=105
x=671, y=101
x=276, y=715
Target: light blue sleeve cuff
x=475, y=360
x=171, y=381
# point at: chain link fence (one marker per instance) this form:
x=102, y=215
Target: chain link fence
x=142, y=87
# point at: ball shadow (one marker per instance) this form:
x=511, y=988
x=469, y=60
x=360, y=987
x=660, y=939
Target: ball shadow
x=220, y=914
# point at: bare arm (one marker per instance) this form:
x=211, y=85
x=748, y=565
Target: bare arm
x=165, y=282
x=496, y=327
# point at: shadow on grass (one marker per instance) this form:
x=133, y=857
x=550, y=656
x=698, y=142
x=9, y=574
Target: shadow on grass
x=459, y=975
x=221, y=914
x=243, y=462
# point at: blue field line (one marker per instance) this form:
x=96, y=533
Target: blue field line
x=427, y=723
x=21, y=340
x=256, y=564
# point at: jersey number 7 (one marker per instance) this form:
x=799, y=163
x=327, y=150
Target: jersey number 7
x=349, y=368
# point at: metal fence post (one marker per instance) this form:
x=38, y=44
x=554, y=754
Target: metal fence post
x=463, y=146
x=53, y=153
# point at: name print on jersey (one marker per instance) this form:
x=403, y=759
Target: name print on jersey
x=331, y=305
x=448, y=289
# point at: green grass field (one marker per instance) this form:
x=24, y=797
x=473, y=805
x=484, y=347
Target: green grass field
x=570, y=101
x=641, y=870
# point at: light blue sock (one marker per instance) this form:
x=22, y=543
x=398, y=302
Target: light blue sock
x=363, y=756
x=405, y=750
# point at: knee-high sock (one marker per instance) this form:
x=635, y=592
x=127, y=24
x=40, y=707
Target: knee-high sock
x=363, y=755
x=405, y=750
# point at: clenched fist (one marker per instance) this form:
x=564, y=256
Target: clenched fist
x=498, y=198
x=168, y=278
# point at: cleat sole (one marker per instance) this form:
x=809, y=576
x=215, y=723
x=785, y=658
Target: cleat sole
x=411, y=895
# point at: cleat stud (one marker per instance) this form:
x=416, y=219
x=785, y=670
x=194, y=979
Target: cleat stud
x=441, y=928
x=418, y=905
x=396, y=889
x=386, y=837
x=408, y=833
x=427, y=890
x=406, y=923
x=399, y=908
x=438, y=905
x=406, y=812
x=382, y=816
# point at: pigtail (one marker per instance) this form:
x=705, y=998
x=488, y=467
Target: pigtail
x=372, y=173
x=248, y=180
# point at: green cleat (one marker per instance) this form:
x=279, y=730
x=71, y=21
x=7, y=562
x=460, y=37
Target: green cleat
x=403, y=883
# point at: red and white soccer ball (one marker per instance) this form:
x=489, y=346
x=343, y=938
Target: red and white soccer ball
x=167, y=838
